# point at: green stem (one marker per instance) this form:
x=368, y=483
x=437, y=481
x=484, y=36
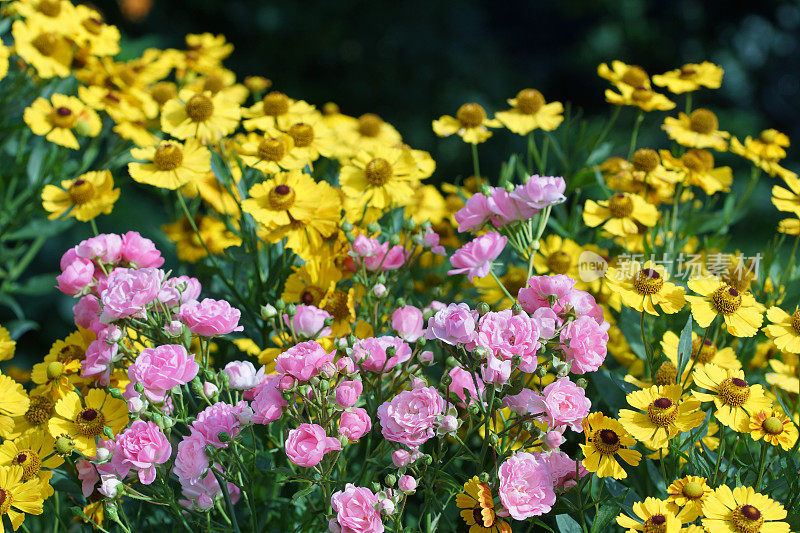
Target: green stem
x=476, y=169
x=94, y=227
x=223, y=486
x=762, y=461
x=688, y=103
x=503, y=287
x=635, y=134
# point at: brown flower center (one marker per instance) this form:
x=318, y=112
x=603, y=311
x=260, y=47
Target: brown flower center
x=635, y=76
x=655, y=524
x=51, y=8
x=559, y=262
x=199, y=108
x=648, y=281
x=29, y=461
x=662, y=412
x=369, y=125
x=378, y=172
x=214, y=84
x=606, y=441
x=796, y=320
x=645, y=160
x=747, y=519
x=311, y=295
x=90, y=422
x=271, y=149
x=529, y=101
x=703, y=121
x=734, y=392
x=275, y=104
x=642, y=95
x=63, y=117
x=703, y=353
x=80, y=192
x=337, y=305
x=5, y=501
x=692, y=490
x=168, y=157
x=163, y=91
x=302, y=134
x=772, y=425
x=281, y=197
x=666, y=374
x=45, y=43
x=39, y=410
x=620, y=205
x=471, y=115
x=727, y=300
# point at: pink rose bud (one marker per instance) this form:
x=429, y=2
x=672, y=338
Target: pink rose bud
x=286, y=382
x=407, y=484
x=242, y=375
x=355, y=424
x=76, y=277
x=333, y=526
x=379, y=290
x=426, y=357
x=407, y=322
x=140, y=252
x=210, y=390
x=553, y=439
x=345, y=365
x=347, y=393
x=401, y=457
x=448, y=424
x=387, y=506
x=137, y=405
x=174, y=328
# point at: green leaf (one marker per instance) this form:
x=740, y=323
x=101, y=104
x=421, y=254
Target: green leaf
x=599, y=154
x=303, y=492
x=36, y=160
x=36, y=285
x=567, y=524
x=604, y=517
x=684, y=347
x=40, y=228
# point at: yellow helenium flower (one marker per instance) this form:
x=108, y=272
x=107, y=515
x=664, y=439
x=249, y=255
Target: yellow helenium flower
x=84, y=421
x=691, y=77
x=46, y=49
x=171, y=164
x=696, y=167
x=774, y=427
x=220, y=80
x=57, y=14
x=5, y=52
x=309, y=283
x=221, y=198
x=529, y=111
x=202, y=115
x=477, y=508
x=120, y=106
x=94, y=35
x=742, y=510
x=644, y=287
x=18, y=497
x=605, y=439
x=699, y=129
x=136, y=132
x=275, y=111
x=790, y=226
x=7, y=345
x=557, y=255
x=770, y=144
x=35, y=419
x=380, y=177
x=312, y=138
x=621, y=74
x=214, y=233
x=13, y=402
x=60, y=370
x=704, y=351
x=644, y=98
x=665, y=414
x=470, y=123
x=755, y=151
x=61, y=118
x=687, y=495
x=515, y=278
x=620, y=213
x=784, y=375
x=33, y=451
x=653, y=515
x=742, y=314
x=206, y=51
x=733, y=397
x=785, y=329
x=272, y=153
x=785, y=199
x=362, y=133
x=341, y=305
x=84, y=197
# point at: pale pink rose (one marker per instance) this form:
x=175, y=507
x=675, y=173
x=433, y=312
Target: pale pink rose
x=496, y=370
x=345, y=365
x=105, y=248
x=87, y=475
x=162, y=368
x=210, y=390
x=347, y=393
x=430, y=240
x=564, y=404
x=526, y=488
x=584, y=344
x=547, y=321
x=357, y=510
x=307, y=444
x=379, y=290
x=475, y=213
x=210, y=317
x=452, y=325
x=303, y=361
x=202, y=493
x=553, y=439
x=309, y=322
x=355, y=423
x=87, y=313
x=99, y=356
x=174, y=328
x=507, y=335
x=541, y=191
x=425, y=357
x=394, y=258
x=377, y=256
x=178, y=291
x=407, y=484
x=76, y=277
x=220, y=418
x=463, y=383
x=525, y=401
x=581, y=303
x=268, y=404
x=109, y=484
x=140, y=252
x=407, y=322
x=563, y=470
x=373, y=351
x=68, y=258
x=141, y=447
x=129, y=292
x=410, y=417
x=191, y=461
x=401, y=457
x=541, y=288
x=507, y=209
x=475, y=258
x=242, y=375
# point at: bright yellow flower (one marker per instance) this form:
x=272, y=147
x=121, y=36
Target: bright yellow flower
x=785, y=329
x=644, y=98
x=742, y=314
x=84, y=420
x=275, y=111
x=33, y=451
x=774, y=427
x=18, y=497
x=202, y=115
x=756, y=151
x=312, y=138
x=652, y=515
x=784, y=375
x=470, y=123
x=665, y=413
x=700, y=356
x=119, y=105
x=206, y=51
x=60, y=370
x=36, y=417
x=136, y=132
x=84, y=197
x=699, y=129
x=687, y=496
x=381, y=177
x=557, y=256
x=171, y=164
x=7, y=345
x=621, y=74
x=478, y=508
x=696, y=167
x=13, y=402
x=47, y=49
x=428, y=205
x=363, y=133
x=341, y=305
x=94, y=35
x=61, y=118
x=5, y=52
x=272, y=153
x=605, y=438
x=644, y=287
x=220, y=80
x=529, y=111
x=742, y=510
x=514, y=279
x=620, y=213
x=790, y=226
x=221, y=198
x=733, y=397
x=691, y=77
x=55, y=14
x=309, y=283
x=785, y=199
x=214, y=234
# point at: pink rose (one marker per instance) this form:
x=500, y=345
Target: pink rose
x=526, y=488
x=407, y=322
x=309, y=322
x=563, y=470
x=97, y=363
x=129, y=291
x=525, y=401
x=140, y=252
x=303, y=361
x=564, y=404
x=541, y=191
x=410, y=417
x=581, y=303
x=452, y=325
x=242, y=375
x=508, y=209
x=307, y=443
x=142, y=446
x=407, y=484
x=401, y=457
x=463, y=383
x=377, y=256
x=87, y=313
x=221, y=418
x=191, y=461
x=355, y=423
x=162, y=368
x=541, y=288
x=507, y=335
x=475, y=258
x=373, y=351
x=347, y=393
x=178, y=291
x=553, y=439
x=475, y=213
x=357, y=510
x=584, y=343
x=105, y=248
x=202, y=493
x=76, y=277
x=430, y=239
x=268, y=404
x=496, y=370
x=210, y=317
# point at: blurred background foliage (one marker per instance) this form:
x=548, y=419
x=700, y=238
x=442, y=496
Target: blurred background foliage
x=416, y=60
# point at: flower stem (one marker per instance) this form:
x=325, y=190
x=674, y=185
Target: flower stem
x=503, y=287
x=476, y=169
x=762, y=461
x=635, y=134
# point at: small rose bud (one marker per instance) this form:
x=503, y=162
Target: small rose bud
x=516, y=309
x=394, y=240
x=210, y=390
x=400, y=458
x=387, y=506
x=425, y=357
x=390, y=479
x=268, y=311
x=373, y=227
x=409, y=224
x=483, y=308
x=280, y=305
x=582, y=383
x=108, y=432
x=346, y=226
x=379, y=290
x=407, y=484
x=116, y=393
x=224, y=436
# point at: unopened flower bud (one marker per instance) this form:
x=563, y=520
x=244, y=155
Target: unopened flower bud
x=541, y=371
x=346, y=226
x=394, y=240
x=224, y=436
x=108, y=432
x=210, y=390
x=390, y=479
x=480, y=353
x=486, y=190
x=379, y=290
x=54, y=370
x=409, y=224
x=291, y=310
x=446, y=380
x=425, y=357
x=509, y=187
x=268, y=311
x=83, y=128
x=115, y=393
x=280, y=305
x=516, y=309
x=387, y=506
x=138, y=387
x=373, y=227
x=483, y=308
x=64, y=445
x=582, y=383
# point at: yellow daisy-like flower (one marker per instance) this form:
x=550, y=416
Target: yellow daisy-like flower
x=84, y=197
x=312, y=138
x=642, y=97
x=341, y=305
x=37, y=416
x=529, y=111
x=206, y=51
x=13, y=402
x=7, y=345
x=665, y=413
x=47, y=49
x=202, y=115
x=220, y=80
x=94, y=35
x=275, y=111
x=696, y=167
x=5, y=52
x=309, y=283
x=622, y=74
x=362, y=133
x=704, y=351
x=136, y=132
x=784, y=375
x=214, y=234
x=785, y=329
x=652, y=515
x=272, y=153
x=605, y=439
x=699, y=129
x=381, y=177
x=477, y=508
x=171, y=164
x=770, y=145
x=742, y=314
x=84, y=421
x=686, y=495
x=60, y=370
x=787, y=199
x=644, y=287
x=691, y=77
x=742, y=510
x=61, y=118
x=774, y=427
x=18, y=497
x=287, y=196
x=620, y=213
x=790, y=226
x=733, y=397
x=557, y=255
x=755, y=151
x=470, y=123
x=215, y=194
x=33, y=451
